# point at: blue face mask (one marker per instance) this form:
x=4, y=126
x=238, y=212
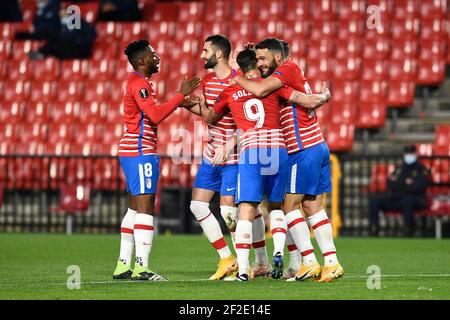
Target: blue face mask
x=410, y=158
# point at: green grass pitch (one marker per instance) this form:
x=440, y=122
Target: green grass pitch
x=34, y=266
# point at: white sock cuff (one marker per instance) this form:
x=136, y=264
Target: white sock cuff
x=142, y=218
x=128, y=219
x=317, y=217
x=243, y=227
x=200, y=209
x=232, y=210
x=277, y=220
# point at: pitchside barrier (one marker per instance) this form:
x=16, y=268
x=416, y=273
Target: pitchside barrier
x=88, y=195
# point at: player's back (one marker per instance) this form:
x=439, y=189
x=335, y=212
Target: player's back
x=140, y=134
x=300, y=125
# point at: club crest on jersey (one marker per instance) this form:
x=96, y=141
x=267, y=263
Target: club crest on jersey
x=278, y=73
x=149, y=183
x=144, y=93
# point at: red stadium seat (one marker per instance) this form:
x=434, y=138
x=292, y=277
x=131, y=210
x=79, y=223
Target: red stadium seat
x=191, y=11
x=10, y=131
x=217, y=10
x=16, y=91
x=88, y=133
x=324, y=29
x=402, y=70
x=347, y=69
x=431, y=72
x=89, y=11
x=5, y=49
x=7, y=31
x=96, y=91
x=123, y=70
x=67, y=112
x=442, y=134
x=21, y=48
x=269, y=10
x=441, y=150
x=69, y=91
x=349, y=48
x=101, y=70
x=188, y=29
x=12, y=112
x=109, y=30
x=161, y=31
x=93, y=112
x=60, y=133
x=322, y=49
x=432, y=49
x=404, y=49
x=297, y=10
x=132, y=31
x=43, y=91
x=375, y=70
x=114, y=114
x=378, y=176
x=74, y=70
x=296, y=30
x=104, y=50
x=164, y=11
x=339, y=137
x=243, y=10
x=401, y=93
x=352, y=10
x=28, y=10
x=20, y=70
x=440, y=169
x=433, y=29
x=241, y=32
x=117, y=91
x=189, y=49
x=214, y=27
x=344, y=112
x=298, y=47
x=371, y=115
x=323, y=10
x=112, y=133
x=33, y=131
x=347, y=91
x=433, y=9
x=405, y=9
x=351, y=28
x=47, y=70
x=424, y=149
x=408, y=29
x=373, y=91
x=269, y=28
x=38, y=111
x=376, y=49
x=319, y=69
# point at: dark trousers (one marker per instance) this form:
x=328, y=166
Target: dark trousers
x=406, y=204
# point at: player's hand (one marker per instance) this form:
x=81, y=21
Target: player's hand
x=325, y=91
x=190, y=102
x=219, y=155
x=249, y=45
x=188, y=86
x=235, y=80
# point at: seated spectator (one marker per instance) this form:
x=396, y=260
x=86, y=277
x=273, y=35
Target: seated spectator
x=119, y=10
x=68, y=42
x=406, y=192
x=46, y=21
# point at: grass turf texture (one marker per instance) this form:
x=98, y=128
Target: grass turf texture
x=33, y=266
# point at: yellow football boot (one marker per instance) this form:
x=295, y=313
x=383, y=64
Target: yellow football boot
x=225, y=267
x=307, y=272
x=331, y=273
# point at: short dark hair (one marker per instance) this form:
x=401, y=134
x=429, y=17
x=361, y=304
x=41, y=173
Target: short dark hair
x=135, y=49
x=410, y=148
x=272, y=44
x=222, y=43
x=246, y=59
x=286, y=49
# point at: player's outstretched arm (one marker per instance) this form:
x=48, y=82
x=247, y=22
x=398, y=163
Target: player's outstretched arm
x=210, y=115
x=258, y=88
x=158, y=112
x=311, y=101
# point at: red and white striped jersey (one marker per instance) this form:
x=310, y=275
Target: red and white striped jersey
x=300, y=125
x=223, y=130
x=142, y=115
x=258, y=119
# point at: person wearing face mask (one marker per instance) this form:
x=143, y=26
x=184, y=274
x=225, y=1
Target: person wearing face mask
x=406, y=192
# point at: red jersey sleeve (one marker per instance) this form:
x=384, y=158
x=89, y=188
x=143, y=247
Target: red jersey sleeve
x=285, y=92
x=155, y=112
x=286, y=73
x=221, y=105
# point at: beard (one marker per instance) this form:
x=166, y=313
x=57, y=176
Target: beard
x=271, y=68
x=211, y=63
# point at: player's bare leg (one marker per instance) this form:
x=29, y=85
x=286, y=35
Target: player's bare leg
x=278, y=227
x=318, y=219
x=143, y=237
x=299, y=229
x=211, y=228
x=123, y=268
x=247, y=212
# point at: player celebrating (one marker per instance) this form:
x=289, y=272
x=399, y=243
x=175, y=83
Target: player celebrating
x=139, y=159
x=210, y=178
x=262, y=165
x=309, y=162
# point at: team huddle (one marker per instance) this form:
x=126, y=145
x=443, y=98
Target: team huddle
x=265, y=143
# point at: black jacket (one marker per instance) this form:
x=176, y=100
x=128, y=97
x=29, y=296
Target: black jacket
x=417, y=172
